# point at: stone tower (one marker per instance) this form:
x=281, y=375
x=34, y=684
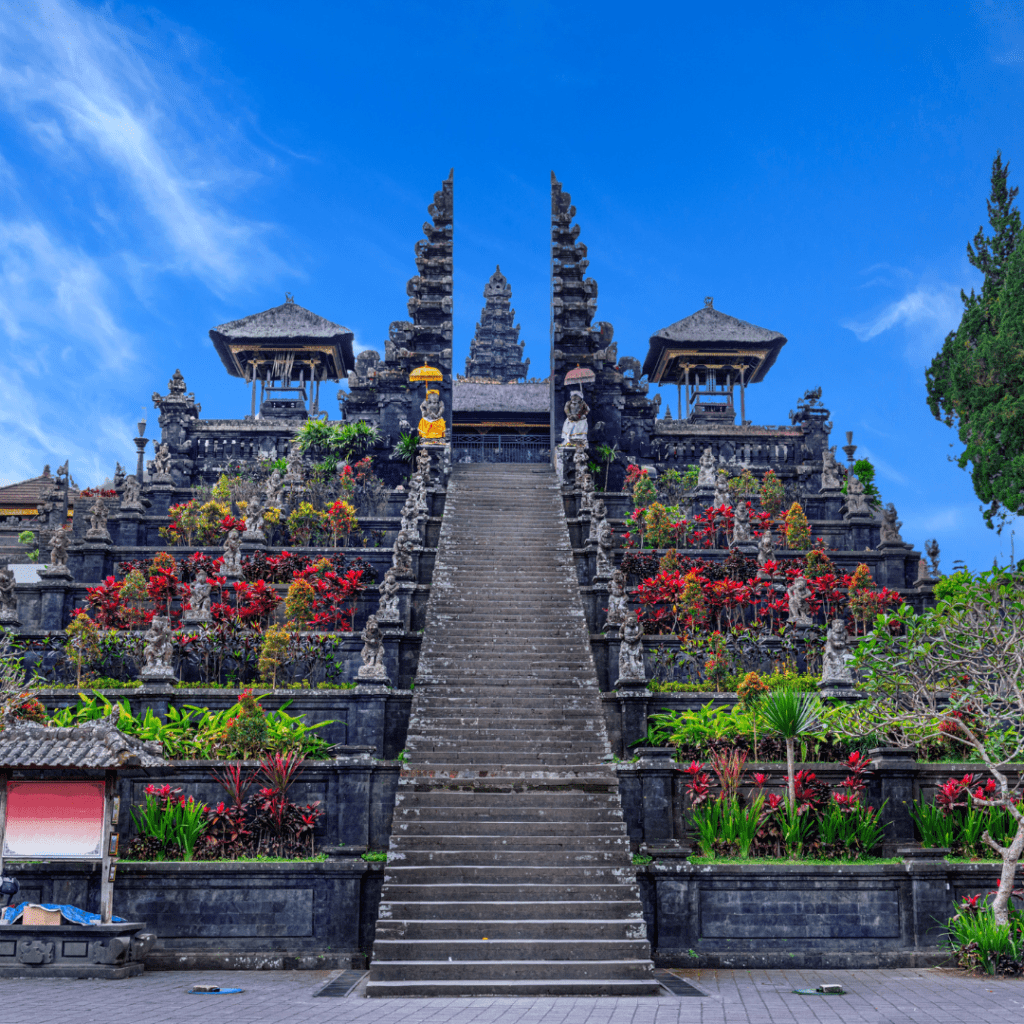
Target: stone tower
x=496, y=353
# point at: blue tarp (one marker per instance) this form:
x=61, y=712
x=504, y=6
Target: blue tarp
x=11, y=914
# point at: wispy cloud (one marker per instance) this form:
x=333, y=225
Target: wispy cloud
x=884, y=469
x=86, y=93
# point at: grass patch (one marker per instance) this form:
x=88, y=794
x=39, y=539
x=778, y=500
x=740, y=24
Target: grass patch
x=318, y=858
x=818, y=861
x=376, y=856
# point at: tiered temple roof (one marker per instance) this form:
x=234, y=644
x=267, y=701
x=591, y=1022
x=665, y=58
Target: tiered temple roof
x=496, y=353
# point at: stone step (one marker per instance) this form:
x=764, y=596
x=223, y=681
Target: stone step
x=510, y=988
x=465, y=950
x=619, y=907
x=522, y=928
x=480, y=841
x=487, y=875
x=511, y=970
x=426, y=829
x=413, y=856
x=482, y=800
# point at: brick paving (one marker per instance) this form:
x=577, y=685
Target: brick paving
x=733, y=997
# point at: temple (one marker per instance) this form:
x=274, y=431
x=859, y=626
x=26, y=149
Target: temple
x=496, y=353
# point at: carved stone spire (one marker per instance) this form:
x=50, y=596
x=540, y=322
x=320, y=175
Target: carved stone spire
x=496, y=352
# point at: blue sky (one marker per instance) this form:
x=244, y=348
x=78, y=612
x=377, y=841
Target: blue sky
x=818, y=169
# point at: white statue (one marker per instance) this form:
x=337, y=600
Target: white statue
x=835, y=667
x=574, y=429
x=373, y=651
x=741, y=524
x=830, y=480
x=254, y=514
x=199, y=599
x=765, y=549
x=159, y=649
x=707, y=475
x=232, y=557
x=388, y=608
x=799, y=607
x=98, y=521
x=631, y=652
x=723, y=497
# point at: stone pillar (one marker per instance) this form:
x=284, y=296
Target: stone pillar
x=54, y=591
x=94, y=559
x=930, y=902
x=633, y=703
x=657, y=780
x=126, y=526
x=892, y=784
x=368, y=705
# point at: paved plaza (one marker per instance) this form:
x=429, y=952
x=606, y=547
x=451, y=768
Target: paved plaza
x=731, y=997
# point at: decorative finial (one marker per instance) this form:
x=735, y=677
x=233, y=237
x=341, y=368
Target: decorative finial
x=289, y=299
x=709, y=302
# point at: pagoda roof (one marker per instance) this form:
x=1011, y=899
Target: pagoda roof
x=711, y=338
x=473, y=397
x=26, y=494
x=285, y=328
x=98, y=744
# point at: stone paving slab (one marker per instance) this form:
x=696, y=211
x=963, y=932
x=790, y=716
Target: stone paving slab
x=913, y=996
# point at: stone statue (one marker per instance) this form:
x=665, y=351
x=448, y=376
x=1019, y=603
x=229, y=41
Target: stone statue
x=387, y=610
x=830, y=480
x=597, y=513
x=232, y=557
x=723, y=497
x=118, y=476
x=856, y=500
x=631, y=653
x=373, y=652
x=273, y=490
x=923, y=575
x=586, y=492
x=296, y=474
x=159, y=650
x=160, y=466
x=931, y=549
x=574, y=429
x=799, y=603
x=58, y=563
x=890, y=529
x=605, y=545
x=835, y=668
x=618, y=602
x=423, y=467
x=401, y=559
x=131, y=495
x=432, y=425
x=741, y=524
x=8, y=597
x=98, y=521
x=707, y=473
x=254, y=521
x=199, y=599
x=765, y=549
x=412, y=519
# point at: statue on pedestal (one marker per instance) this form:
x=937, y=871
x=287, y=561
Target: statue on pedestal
x=723, y=497
x=707, y=475
x=890, y=528
x=575, y=429
x=631, y=652
x=160, y=466
x=295, y=474
x=605, y=545
x=232, y=557
x=741, y=524
x=199, y=599
x=254, y=514
x=799, y=603
x=765, y=549
x=388, y=610
x=158, y=653
x=618, y=602
x=98, y=521
x=58, y=562
x=597, y=513
x=856, y=500
x=373, y=651
x=835, y=668
x=432, y=425
x=131, y=495
x=8, y=598
x=401, y=559
x=830, y=479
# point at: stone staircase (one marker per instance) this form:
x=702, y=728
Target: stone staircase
x=509, y=870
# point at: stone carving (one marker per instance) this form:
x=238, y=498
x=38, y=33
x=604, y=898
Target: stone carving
x=597, y=513
x=296, y=474
x=401, y=559
x=723, y=497
x=119, y=476
x=586, y=492
x=273, y=489
x=373, y=651
x=707, y=473
x=931, y=549
x=618, y=602
x=98, y=521
x=412, y=519
x=830, y=478
x=741, y=524
x=496, y=353
x=131, y=495
x=923, y=575
x=799, y=603
x=160, y=465
x=199, y=598
x=574, y=429
x=432, y=425
x=835, y=668
x=58, y=562
x=423, y=467
x=605, y=546
x=890, y=528
x=254, y=514
x=8, y=597
x=232, y=557
x=765, y=549
x=388, y=610
x=159, y=650
x=631, y=653
x=856, y=500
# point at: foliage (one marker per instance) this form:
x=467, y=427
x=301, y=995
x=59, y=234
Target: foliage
x=170, y=821
x=298, y=603
x=13, y=692
x=406, y=448
x=644, y=491
x=772, y=493
x=797, y=529
x=341, y=520
x=607, y=453
x=956, y=674
x=976, y=381
x=334, y=594
x=28, y=539
x=864, y=471
x=195, y=522
x=305, y=523
x=745, y=485
x=981, y=943
x=788, y=714
x=273, y=650
x=82, y=642
x=952, y=587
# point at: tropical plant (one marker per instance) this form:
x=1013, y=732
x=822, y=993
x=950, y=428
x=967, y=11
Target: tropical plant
x=82, y=642
x=772, y=493
x=28, y=539
x=797, y=528
x=171, y=820
x=406, y=448
x=789, y=715
x=607, y=453
x=981, y=943
x=274, y=649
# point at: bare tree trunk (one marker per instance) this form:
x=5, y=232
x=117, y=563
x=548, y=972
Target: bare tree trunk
x=791, y=769
x=1011, y=855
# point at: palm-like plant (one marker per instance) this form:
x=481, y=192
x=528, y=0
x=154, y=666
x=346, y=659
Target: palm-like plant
x=608, y=453
x=406, y=448
x=789, y=714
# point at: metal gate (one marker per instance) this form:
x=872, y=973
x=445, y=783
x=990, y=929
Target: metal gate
x=501, y=448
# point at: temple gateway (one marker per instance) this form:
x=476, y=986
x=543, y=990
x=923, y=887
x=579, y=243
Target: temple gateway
x=451, y=582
